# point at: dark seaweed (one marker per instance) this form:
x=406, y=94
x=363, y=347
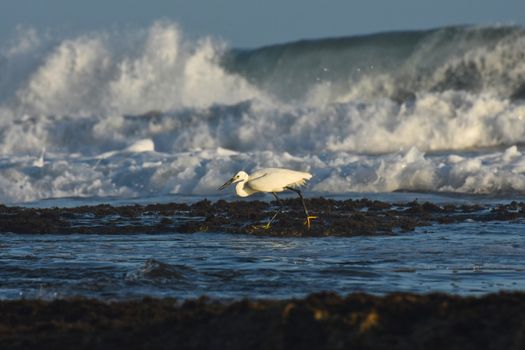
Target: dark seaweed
x=320, y=321
x=335, y=217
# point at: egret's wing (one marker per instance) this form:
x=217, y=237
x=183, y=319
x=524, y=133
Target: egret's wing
x=259, y=182
x=275, y=180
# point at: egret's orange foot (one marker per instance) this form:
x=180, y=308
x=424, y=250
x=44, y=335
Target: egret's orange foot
x=264, y=227
x=308, y=219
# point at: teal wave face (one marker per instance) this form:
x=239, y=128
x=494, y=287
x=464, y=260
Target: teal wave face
x=391, y=64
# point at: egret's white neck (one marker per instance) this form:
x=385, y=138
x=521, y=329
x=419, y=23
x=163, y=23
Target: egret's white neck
x=243, y=191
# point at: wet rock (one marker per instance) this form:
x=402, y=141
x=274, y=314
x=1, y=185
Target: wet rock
x=319, y=321
x=334, y=217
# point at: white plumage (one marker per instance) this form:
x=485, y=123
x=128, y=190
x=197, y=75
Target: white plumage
x=270, y=180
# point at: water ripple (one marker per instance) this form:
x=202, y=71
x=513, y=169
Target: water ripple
x=453, y=259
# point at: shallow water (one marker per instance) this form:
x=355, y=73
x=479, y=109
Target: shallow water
x=467, y=258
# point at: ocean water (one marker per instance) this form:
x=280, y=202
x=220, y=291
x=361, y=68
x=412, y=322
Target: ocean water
x=465, y=258
x=146, y=114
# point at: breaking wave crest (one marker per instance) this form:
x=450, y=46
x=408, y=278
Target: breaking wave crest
x=147, y=112
x=397, y=65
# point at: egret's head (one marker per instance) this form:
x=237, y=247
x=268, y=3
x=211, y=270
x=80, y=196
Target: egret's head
x=240, y=176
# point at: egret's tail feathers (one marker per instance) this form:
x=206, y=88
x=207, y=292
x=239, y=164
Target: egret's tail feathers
x=300, y=183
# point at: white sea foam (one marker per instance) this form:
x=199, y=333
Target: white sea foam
x=147, y=112
x=126, y=174
x=116, y=73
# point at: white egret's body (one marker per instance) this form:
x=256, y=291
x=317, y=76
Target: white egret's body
x=270, y=180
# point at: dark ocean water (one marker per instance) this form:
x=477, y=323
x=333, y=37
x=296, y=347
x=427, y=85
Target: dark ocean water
x=468, y=258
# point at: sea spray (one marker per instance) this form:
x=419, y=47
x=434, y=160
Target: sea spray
x=146, y=112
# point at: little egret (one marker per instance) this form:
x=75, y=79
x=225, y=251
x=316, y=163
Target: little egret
x=271, y=180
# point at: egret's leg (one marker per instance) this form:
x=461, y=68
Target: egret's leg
x=308, y=216
x=267, y=226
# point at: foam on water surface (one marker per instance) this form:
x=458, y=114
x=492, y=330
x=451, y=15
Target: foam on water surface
x=146, y=112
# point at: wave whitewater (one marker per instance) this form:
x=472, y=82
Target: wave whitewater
x=148, y=112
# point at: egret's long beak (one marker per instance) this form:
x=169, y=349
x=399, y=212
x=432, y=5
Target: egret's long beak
x=225, y=185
